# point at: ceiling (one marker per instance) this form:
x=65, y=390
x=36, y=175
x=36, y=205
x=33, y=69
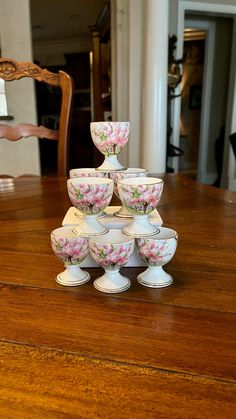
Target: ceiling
x=63, y=19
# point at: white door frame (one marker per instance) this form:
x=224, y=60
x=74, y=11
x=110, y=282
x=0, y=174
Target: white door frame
x=184, y=6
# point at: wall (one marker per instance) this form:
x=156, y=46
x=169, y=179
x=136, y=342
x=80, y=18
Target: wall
x=120, y=65
x=50, y=53
x=136, y=30
x=139, y=75
x=23, y=156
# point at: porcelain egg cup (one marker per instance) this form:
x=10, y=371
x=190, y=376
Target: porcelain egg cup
x=87, y=172
x=110, y=138
x=71, y=250
x=111, y=251
x=124, y=174
x=157, y=251
x=90, y=195
x=140, y=196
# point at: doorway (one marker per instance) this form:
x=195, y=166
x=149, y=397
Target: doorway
x=207, y=11
x=191, y=99
x=207, y=51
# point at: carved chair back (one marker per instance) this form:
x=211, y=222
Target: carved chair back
x=13, y=70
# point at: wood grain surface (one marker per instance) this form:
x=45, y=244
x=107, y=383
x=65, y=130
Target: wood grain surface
x=76, y=352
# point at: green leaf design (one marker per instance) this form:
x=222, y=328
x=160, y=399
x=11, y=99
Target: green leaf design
x=102, y=253
x=103, y=136
x=79, y=195
x=58, y=245
x=135, y=192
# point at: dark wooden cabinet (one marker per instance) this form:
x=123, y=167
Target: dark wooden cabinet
x=48, y=109
x=82, y=149
x=81, y=146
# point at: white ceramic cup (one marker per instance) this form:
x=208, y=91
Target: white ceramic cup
x=110, y=138
x=71, y=250
x=124, y=174
x=90, y=195
x=140, y=195
x=157, y=251
x=111, y=251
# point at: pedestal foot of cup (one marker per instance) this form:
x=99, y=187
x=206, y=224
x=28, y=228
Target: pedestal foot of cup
x=123, y=213
x=90, y=226
x=111, y=163
x=140, y=227
x=155, y=277
x=80, y=215
x=112, y=282
x=73, y=276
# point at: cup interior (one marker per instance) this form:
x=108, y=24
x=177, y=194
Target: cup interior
x=134, y=170
x=64, y=232
x=129, y=172
x=140, y=181
x=164, y=234
x=111, y=123
x=90, y=181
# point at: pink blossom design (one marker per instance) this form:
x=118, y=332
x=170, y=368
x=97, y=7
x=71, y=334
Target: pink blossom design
x=80, y=173
x=141, y=199
x=111, y=256
x=110, y=137
x=121, y=175
x=152, y=252
x=71, y=251
x=90, y=198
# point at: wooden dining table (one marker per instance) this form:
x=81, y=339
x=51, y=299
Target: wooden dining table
x=68, y=352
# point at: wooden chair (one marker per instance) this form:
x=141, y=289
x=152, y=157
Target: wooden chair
x=13, y=70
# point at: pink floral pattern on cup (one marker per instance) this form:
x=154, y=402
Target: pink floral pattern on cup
x=140, y=199
x=110, y=137
x=75, y=173
x=70, y=250
x=152, y=252
x=126, y=174
x=111, y=256
x=156, y=252
x=90, y=198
